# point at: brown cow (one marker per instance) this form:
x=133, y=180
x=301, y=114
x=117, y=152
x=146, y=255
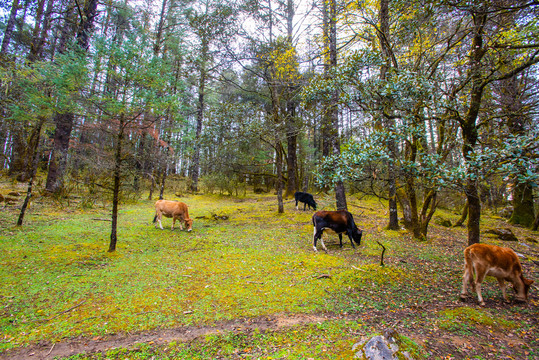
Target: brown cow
x=174, y=210
x=499, y=262
x=340, y=222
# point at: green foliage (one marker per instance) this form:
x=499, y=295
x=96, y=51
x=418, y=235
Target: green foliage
x=42, y=88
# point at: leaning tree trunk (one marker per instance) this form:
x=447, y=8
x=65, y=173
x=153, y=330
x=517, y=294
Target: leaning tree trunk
x=34, y=162
x=463, y=216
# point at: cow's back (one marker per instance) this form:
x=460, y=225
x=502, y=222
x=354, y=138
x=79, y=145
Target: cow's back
x=493, y=256
x=170, y=208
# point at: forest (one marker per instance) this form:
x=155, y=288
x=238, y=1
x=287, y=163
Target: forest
x=420, y=117
x=111, y=99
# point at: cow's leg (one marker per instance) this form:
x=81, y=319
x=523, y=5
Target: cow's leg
x=318, y=235
x=340, y=240
x=159, y=215
x=351, y=239
x=467, y=278
x=480, y=274
x=297, y=204
x=173, y=221
x=304, y=205
x=180, y=221
x=503, y=286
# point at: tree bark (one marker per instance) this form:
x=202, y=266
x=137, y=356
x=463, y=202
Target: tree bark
x=384, y=39
x=116, y=185
x=279, y=168
x=330, y=125
x=8, y=33
x=62, y=134
x=469, y=127
x=34, y=164
x=291, y=126
x=463, y=216
x=195, y=166
x=65, y=121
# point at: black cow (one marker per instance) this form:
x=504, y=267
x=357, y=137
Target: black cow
x=340, y=222
x=306, y=198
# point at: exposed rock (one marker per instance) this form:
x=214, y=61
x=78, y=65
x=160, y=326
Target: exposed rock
x=381, y=347
x=503, y=234
x=443, y=222
x=506, y=212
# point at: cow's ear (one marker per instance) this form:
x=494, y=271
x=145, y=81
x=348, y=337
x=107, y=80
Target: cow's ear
x=528, y=281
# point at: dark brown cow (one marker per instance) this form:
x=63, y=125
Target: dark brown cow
x=499, y=262
x=174, y=210
x=340, y=222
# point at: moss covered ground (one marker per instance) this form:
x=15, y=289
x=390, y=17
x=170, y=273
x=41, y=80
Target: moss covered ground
x=255, y=270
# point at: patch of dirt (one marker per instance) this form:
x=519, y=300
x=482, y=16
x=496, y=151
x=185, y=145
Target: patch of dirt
x=46, y=350
x=438, y=343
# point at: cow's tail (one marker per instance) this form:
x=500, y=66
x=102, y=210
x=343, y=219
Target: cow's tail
x=154, y=218
x=352, y=222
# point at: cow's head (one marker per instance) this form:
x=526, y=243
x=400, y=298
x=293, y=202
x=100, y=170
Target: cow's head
x=523, y=290
x=356, y=235
x=189, y=224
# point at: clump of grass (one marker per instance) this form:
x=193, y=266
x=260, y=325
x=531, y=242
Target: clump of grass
x=464, y=319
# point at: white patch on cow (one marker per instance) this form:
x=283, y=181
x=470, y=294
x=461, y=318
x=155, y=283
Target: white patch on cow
x=160, y=225
x=314, y=233
x=323, y=245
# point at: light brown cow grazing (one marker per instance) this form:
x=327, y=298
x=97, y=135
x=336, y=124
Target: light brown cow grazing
x=499, y=262
x=174, y=210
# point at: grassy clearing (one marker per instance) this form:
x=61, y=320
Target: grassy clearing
x=59, y=282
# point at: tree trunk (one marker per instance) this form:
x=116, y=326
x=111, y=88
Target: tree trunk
x=535, y=225
x=523, y=209
x=58, y=163
x=64, y=121
x=8, y=33
x=330, y=125
x=469, y=128
x=292, y=144
x=195, y=166
x=36, y=49
x=429, y=207
x=291, y=127
x=34, y=163
x=163, y=180
x=384, y=39
x=279, y=166
x=463, y=216
x=116, y=185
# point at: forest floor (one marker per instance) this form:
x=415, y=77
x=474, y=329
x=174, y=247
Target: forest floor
x=245, y=283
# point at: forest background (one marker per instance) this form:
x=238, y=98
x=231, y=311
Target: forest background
x=421, y=103
x=398, y=108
